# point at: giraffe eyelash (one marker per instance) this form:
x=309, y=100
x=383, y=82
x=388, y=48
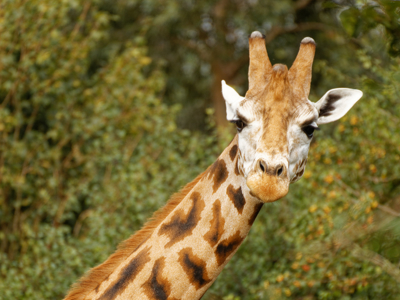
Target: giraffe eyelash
x=239, y=124
x=309, y=129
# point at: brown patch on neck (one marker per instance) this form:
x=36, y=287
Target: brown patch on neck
x=216, y=225
x=194, y=267
x=237, y=171
x=236, y=196
x=182, y=225
x=157, y=287
x=233, y=152
x=254, y=215
x=99, y=274
x=219, y=173
x=227, y=247
x=127, y=275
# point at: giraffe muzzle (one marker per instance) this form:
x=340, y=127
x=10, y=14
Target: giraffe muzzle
x=268, y=182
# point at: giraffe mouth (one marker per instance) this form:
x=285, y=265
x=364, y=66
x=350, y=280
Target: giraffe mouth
x=266, y=187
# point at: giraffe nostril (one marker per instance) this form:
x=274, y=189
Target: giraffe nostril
x=263, y=166
x=279, y=170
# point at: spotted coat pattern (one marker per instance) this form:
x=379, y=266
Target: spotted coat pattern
x=185, y=253
x=180, y=253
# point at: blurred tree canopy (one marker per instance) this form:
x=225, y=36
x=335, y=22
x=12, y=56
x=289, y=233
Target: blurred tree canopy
x=81, y=142
x=108, y=107
x=208, y=40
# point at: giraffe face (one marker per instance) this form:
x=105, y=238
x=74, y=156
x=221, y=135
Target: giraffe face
x=276, y=123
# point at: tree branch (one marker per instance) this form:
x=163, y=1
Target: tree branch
x=388, y=210
x=376, y=259
x=219, y=10
x=357, y=194
x=300, y=4
x=277, y=30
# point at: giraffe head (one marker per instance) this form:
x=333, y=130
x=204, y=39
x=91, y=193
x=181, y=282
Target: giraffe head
x=276, y=121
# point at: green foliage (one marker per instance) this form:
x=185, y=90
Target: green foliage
x=308, y=244
x=208, y=40
x=89, y=148
x=363, y=16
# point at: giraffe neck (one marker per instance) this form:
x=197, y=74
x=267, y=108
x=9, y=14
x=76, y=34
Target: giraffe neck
x=187, y=250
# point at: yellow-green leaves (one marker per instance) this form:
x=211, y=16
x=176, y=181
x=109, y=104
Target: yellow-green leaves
x=86, y=144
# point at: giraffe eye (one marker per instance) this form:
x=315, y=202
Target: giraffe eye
x=240, y=125
x=309, y=130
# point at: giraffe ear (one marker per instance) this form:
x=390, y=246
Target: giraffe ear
x=336, y=103
x=232, y=101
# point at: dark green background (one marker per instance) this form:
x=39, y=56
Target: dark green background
x=108, y=107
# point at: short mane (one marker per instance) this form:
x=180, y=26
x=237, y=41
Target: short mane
x=93, y=278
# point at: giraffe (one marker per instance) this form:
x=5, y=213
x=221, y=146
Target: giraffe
x=180, y=252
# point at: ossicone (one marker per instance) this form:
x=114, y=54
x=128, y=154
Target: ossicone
x=301, y=70
x=260, y=66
